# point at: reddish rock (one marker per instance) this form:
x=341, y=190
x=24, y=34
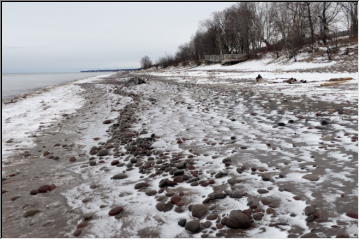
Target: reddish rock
x=352, y=215
x=34, y=192
x=179, y=179
x=115, y=162
x=77, y=232
x=72, y=159
x=82, y=224
x=46, y=188
x=115, y=211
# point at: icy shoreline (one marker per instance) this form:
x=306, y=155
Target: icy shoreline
x=21, y=120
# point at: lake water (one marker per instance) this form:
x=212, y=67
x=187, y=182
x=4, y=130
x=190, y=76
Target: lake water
x=14, y=83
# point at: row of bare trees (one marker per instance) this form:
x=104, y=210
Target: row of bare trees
x=249, y=27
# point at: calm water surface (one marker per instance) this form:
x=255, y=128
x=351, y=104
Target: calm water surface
x=14, y=83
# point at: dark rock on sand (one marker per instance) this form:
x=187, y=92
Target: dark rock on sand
x=193, y=226
x=199, y=210
x=141, y=185
x=46, y=188
x=31, y=213
x=92, y=163
x=77, y=232
x=164, y=207
x=115, y=211
x=151, y=192
x=182, y=222
x=237, y=219
x=119, y=176
x=258, y=216
x=107, y=121
x=103, y=152
x=115, y=162
x=352, y=215
x=311, y=177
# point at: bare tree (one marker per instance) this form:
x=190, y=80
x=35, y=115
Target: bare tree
x=145, y=62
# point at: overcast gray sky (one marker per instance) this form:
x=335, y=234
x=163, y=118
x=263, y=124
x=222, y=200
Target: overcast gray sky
x=58, y=37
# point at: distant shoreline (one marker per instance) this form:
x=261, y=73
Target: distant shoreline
x=112, y=70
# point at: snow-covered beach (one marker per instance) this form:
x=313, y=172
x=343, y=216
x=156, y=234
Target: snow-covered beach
x=178, y=155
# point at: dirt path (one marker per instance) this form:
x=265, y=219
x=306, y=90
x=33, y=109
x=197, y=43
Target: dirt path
x=179, y=154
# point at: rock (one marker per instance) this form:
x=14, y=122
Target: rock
x=233, y=181
x=227, y=161
x=141, y=185
x=193, y=226
x=46, y=188
x=310, y=235
x=266, y=177
x=178, y=172
x=280, y=124
x=352, y=215
x=311, y=177
x=217, y=195
x=77, y=232
x=34, y=192
x=164, y=207
x=324, y=122
x=237, y=194
x=107, y=121
x=312, y=213
x=212, y=217
x=271, y=202
x=342, y=235
x=114, y=162
x=72, y=159
x=270, y=211
x=220, y=174
x=182, y=222
x=258, y=216
x=181, y=165
x=15, y=198
x=151, y=192
x=115, y=211
x=82, y=224
x=31, y=213
x=119, y=176
x=92, y=163
x=134, y=81
x=237, y=219
x=176, y=200
x=166, y=183
x=88, y=216
x=262, y=191
x=93, y=150
x=199, y=210
x=103, y=152
x=206, y=224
